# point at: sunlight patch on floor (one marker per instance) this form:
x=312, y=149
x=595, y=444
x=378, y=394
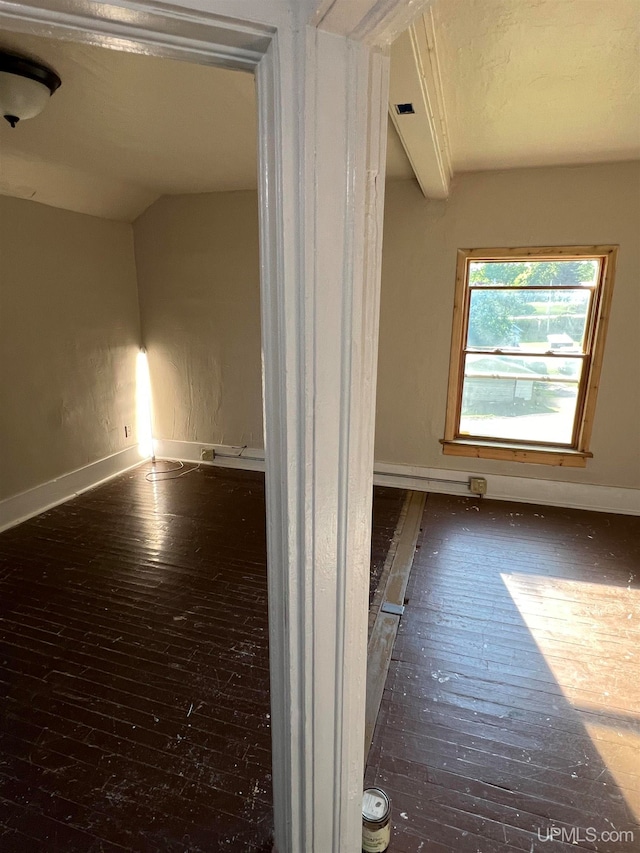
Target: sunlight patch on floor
x=598, y=678
x=620, y=758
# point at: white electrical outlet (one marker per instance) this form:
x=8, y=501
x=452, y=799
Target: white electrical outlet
x=207, y=454
x=477, y=485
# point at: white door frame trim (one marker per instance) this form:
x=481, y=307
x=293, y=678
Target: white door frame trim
x=322, y=101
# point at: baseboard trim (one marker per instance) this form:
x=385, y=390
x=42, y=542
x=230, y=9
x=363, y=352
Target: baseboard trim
x=25, y=505
x=518, y=489
x=421, y=479
x=438, y=480
x=227, y=456
x=20, y=507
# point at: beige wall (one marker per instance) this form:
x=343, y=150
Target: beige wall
x=199, y=284
x=198, y=269
x=528, y=207
x=69, y=331
x=69, y=328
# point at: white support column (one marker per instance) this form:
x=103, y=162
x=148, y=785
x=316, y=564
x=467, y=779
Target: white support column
x=322, y=103
x=323, y=128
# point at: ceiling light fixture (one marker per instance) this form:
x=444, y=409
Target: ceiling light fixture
x=25, y=87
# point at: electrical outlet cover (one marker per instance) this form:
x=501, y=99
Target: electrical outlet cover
x=478, y=485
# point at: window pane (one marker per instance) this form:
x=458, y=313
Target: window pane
x=524, y=399
x=530, y=320
x=533, y=273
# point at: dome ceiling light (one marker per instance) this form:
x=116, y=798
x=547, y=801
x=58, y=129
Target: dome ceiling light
x=25, y=87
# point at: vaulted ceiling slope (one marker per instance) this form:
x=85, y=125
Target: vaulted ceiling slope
x=124, y=129
x=496, y=84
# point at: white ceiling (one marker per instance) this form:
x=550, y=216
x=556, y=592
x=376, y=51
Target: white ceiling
x=124, y=129
x=512, y=83
x=539, y=82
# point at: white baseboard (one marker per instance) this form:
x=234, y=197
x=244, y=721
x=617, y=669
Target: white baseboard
x=420, y=479
x=227, y=456
x=18, y=508
x=518, y=489
x=438, y=480
x=25, y=505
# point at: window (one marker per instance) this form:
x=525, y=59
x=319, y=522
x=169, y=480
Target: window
x=528, y=338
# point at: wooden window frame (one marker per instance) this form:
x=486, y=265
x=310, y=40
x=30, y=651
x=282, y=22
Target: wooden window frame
x=456, y=444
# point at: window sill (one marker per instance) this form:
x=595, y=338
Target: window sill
x=516, y=452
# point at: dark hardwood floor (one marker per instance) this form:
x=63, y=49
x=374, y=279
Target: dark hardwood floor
x=134, y=675
x=134, y=668
x=511, y=714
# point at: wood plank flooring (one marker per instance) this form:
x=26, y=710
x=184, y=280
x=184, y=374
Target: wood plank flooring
x=134, y=668
x=511, y=714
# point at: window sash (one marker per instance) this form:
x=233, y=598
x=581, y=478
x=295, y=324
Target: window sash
x=584, y=358
x=591, y=348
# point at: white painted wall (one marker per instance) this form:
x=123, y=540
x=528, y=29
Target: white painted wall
x=198, y=272
x=198, y=266
x=69, y=331
x=529, y=207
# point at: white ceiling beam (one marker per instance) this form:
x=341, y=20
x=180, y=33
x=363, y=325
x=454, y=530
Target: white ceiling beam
x=415, y=79
x=377, y=22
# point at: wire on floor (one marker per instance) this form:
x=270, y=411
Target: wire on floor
x=169, y=473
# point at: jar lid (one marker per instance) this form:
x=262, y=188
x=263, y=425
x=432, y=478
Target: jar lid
x=376, y=805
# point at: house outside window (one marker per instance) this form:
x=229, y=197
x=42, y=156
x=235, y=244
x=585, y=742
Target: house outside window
x=528, y=339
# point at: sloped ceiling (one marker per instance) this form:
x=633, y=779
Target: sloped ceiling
x=124, y=129
x=502, y=84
